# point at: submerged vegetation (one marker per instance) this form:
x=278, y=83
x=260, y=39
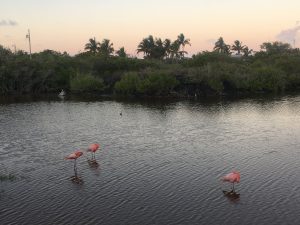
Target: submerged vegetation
x=163, y=71
x=7, y=177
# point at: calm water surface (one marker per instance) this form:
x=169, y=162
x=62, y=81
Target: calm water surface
x=159, y=163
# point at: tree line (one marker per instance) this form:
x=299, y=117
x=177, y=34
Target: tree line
x=164, y=71
x=156, y=48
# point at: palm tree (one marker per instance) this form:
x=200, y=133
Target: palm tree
x=174, y=48
x=147, y=46
x=158, y=51
x=92, y=46
x=106, y=48
x=167, y=47
x=247, y=51
x=227, y=50
x=183, y=42
x=121, y=53
x=221, y=46
x=143, y=47
x=238, y=47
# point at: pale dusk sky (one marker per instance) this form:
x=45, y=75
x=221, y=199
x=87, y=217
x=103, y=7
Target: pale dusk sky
x=66, y=25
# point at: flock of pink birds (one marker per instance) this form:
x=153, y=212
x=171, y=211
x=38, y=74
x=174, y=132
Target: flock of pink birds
x=75, y=155
x=233, y=177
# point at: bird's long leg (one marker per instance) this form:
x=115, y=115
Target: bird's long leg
x=233, y=186
x=75, y=168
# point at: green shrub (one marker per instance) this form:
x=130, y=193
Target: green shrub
x=146, y=83
x=86, y=82
x=267, y=78
x=129, y=83
x=157, y=83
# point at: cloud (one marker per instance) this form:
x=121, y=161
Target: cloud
x=288, y=35
x=8, y=23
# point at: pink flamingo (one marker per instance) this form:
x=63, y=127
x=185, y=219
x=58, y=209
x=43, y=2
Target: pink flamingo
x=93, y=148
x=233, y=177
x=74, y=156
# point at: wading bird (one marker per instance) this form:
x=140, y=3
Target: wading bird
x=74, y=156
x=93, y=148
x=233, y=177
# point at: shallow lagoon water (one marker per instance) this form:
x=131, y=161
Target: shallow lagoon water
x=159, y=163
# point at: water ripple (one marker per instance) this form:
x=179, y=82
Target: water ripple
x=160, y=163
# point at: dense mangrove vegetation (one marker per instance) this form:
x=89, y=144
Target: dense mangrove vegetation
x=165, y=70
